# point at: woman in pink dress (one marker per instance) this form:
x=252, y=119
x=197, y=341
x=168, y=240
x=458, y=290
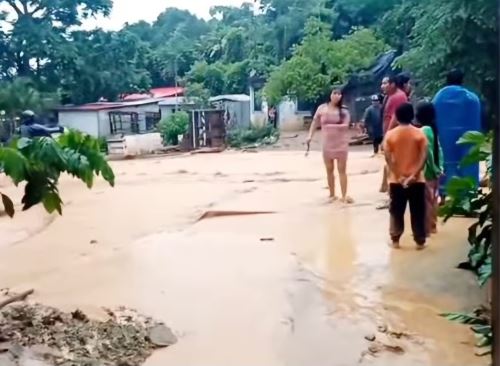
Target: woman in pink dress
x=334, y=119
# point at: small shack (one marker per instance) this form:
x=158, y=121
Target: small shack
x=236, y=107
x=105, y=119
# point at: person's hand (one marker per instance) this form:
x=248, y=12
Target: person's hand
x=407, y=181
x=308, y=140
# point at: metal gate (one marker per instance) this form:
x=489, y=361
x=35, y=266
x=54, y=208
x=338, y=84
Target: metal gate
x=206, y=128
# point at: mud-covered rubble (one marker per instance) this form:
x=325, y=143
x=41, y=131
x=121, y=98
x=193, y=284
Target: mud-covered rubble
x=37, y=335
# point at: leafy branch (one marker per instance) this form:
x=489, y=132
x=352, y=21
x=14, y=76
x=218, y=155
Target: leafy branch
x=464, y=198
x=39, y=163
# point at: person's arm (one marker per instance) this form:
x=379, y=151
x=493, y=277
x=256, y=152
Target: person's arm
x=388, y=154
x=393, y=123
x=422, y=158
x=346, y=121
x=315, y=123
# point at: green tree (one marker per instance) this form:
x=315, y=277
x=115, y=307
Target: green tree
x=39, y=29
x=318, y=62
x=447, y=34
x=106, y=65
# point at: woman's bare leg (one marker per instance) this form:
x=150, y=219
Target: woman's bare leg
x=342, y=168
x=330, y=166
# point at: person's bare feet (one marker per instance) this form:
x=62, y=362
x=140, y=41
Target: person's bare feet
x=394, y=244
x=421, y=246
x=347, y=200
x=332, y=199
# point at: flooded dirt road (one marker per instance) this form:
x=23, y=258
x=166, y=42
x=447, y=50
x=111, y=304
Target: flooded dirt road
x=299, y=282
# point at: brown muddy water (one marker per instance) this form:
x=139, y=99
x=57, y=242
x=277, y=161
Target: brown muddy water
x=303, y=284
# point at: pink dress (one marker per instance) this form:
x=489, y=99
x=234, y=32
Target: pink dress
x=335, y=134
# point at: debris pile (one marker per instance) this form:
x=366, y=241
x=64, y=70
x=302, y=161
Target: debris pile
x=45, y=336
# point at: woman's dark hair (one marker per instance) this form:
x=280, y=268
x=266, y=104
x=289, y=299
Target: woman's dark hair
x=340, y=105
x=426, y=116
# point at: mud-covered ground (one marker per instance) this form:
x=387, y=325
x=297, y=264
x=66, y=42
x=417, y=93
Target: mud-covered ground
x=302, y=283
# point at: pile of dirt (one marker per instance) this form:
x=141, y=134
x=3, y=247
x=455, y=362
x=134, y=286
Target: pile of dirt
x=44, y=336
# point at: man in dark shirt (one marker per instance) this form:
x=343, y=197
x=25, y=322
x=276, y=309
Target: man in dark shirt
x=373, y=123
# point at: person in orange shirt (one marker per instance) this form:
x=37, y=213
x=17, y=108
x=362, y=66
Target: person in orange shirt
x=405, y=148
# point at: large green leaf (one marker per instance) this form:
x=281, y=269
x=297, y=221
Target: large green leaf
x=464, y=318
x=14, y=164
x=472, y=138
x=52, y=202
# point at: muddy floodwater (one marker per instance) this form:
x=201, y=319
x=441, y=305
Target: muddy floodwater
x=287, y=280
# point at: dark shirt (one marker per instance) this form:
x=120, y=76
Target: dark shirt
x=373, y=121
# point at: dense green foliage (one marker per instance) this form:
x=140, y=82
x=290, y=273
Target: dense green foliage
x=39, y=163
x=172, y=126
x=318, y=62
x=466, y=199
x=290, y=39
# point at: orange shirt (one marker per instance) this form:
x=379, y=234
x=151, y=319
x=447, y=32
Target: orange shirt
x=405, y=144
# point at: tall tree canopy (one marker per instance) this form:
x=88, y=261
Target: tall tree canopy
x=297, y=46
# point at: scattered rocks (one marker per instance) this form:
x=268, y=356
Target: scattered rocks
x=161, y=336
x=93, y=242
x=382, y=328
x=37, y=335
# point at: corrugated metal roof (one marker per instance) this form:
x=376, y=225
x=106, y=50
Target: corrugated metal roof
x=156, y=93
x=231, y=98
x=109, y=105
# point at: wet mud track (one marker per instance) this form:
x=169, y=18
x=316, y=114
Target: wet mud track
x=309, y=284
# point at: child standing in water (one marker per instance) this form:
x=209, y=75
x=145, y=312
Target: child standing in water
x=426, y=117
x=334, y=119
x=405, y=149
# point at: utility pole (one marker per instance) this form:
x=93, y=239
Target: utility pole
x=495, y=296
x=176, y=84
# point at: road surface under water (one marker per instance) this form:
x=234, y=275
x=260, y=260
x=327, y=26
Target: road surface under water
x=297, y=282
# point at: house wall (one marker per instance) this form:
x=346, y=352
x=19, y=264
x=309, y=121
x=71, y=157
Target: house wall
x=260, y=118
x=289, y=119
x=105, y=128
x=84, y=121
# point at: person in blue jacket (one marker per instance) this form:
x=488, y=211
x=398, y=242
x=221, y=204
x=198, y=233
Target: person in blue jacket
x=458, y=110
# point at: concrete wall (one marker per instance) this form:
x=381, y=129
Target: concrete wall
x=260, y=118
x=85, y=121
x=288, y=117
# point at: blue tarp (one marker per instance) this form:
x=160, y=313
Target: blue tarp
x=458, y=111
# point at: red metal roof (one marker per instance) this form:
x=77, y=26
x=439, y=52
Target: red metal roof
x=157, y=93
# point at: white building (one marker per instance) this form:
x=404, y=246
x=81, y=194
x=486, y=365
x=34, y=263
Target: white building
x=106, y=119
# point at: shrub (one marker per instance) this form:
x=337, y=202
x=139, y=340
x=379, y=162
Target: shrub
x=172, y=126
x=242, y=137
x=464, y=198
